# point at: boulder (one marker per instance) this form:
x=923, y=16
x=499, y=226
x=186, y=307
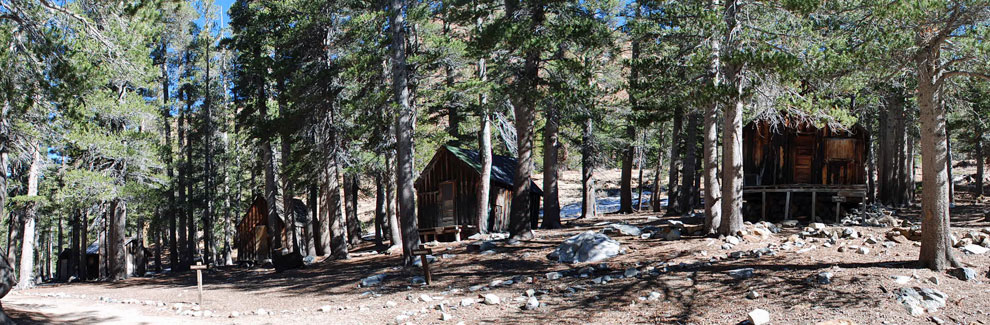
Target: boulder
x=733, y=240
x=759, y=317
x=492, y=299
x=627, y=230
x=918, y=301
x=975, y=249
x=964, y=273
x=824, y=278
x=532, y=304
x=741, y=274
x=672, y=234
x=373, y=280
x=589, y=246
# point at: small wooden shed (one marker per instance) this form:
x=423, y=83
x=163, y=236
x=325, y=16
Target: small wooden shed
x=446, y=193
x=252, y=233
x=799, y=157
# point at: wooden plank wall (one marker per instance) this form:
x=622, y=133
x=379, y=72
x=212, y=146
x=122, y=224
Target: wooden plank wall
x=445, y=167
x=803, y=155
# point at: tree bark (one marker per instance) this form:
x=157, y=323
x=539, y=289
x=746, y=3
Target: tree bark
x=484, y=148
x=182, y=204
x=655, y=196
x=520, y=223
x=713, y=189
x=732, y=165
x=311, y=236
x=404, y=133
x=26, y=279
x=335, y=211
x=379, y=211
x=978, y=148
x=83, y=225
x=675, y=163
x=321, y=229
x=589, y=200
x=948, y=161
x=625, y=179
x=641, y=155
x=395, y=232
x=688, y=190
x=936, y=252
x=118, y=259
x=551, y=200
x=351, y=186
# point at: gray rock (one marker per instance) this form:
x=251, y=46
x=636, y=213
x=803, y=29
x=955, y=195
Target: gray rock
x=789, y=223
x=964, y=273
x=627, y=230
x=446, y=317
x=824, y=278
x=373, y=280
x=467, y=302
x=672, y=234
x=418, y=262
x=732, y=240
x=492, y=299
x=476, y=287
x=759, y=317
x=741, y=274
x=587, y=247
x=234, y=314
x=554, y=275
x=631, y=272
x=418, y=280
x=530, y=293
x=917, y=301
x=488, y=252
x=532, y=304
x=753, y=294
x=975, y=249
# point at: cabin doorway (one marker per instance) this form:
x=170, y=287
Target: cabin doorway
x=447, y=191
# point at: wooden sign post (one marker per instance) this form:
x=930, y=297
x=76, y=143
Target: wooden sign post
x=422, y=252
x=199, y=267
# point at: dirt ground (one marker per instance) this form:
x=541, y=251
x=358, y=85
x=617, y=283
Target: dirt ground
x=687, y=279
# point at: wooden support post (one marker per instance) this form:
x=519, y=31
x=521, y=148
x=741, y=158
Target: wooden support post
x=422, y=252
x=814, y=206
x=199, y=267
x=787, y=207
x=763, y=217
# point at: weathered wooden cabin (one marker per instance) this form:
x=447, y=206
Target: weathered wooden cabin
x=446, y=193
x=253, y=239
x=797, y=169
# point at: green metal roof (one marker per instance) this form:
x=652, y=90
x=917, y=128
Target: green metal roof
x=503, y=167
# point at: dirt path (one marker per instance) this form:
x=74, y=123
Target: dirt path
x=32, y=309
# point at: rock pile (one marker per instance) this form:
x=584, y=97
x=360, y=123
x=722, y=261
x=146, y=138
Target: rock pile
x=917, y=301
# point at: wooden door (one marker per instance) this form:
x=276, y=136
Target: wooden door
x=447, y=193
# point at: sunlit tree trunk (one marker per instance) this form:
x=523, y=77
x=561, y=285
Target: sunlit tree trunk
x=520, y=225
x=403, y=133
x=936, y=252
x=589, y=201
x=26, y=279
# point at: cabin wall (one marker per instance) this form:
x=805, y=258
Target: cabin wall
x=803, y=155
x=252, y=235
x=446, y=167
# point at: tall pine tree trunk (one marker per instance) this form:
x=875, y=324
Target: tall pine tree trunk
x=688, y=191
x=713, y=189
x=978, y=148
x=484, y=150
x=117, y=250
x=589, y=201
x=625, y=178
x=321, y=227
x=520, y=223
x=732, y=165
x=395, y=232
x=351, y=186
x=948, y=161
x=641, y=155
x=379, y=211
x=551, y=200
x=26, y=279
x=335, y=210
x=673, y=174
x=936, y=247
x=404, y=133
x=655, y=196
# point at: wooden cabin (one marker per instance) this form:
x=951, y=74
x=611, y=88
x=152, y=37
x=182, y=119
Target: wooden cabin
x=446, y=193
x=253, y=235
x=798, y=169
